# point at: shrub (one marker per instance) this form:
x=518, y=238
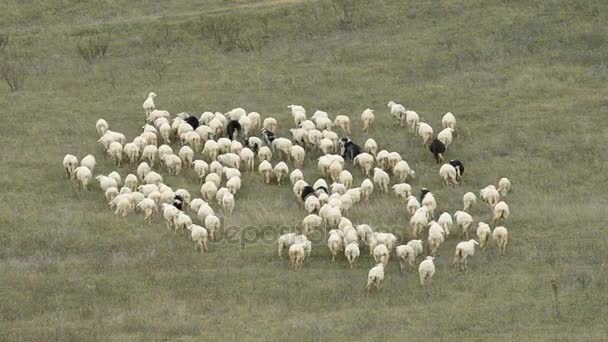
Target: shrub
x=94, y=48
x=13, y=73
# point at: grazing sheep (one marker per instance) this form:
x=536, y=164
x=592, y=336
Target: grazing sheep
x=448, y=121
x=459, y=166
x=338, y=188
x=331, y=216
x=463, y=251
x=429, y=201
x=367, y=117
x=149, y=208
x=436, y=237
x=489, y=195
x=416, y=246
x=370, y=146
x=419, y=221
x=201, y=168
x=366, y=162
x=248, y=158
x=265, y=168
x=295, y=176
x=387, y=239
x=382, y=159
x=231, y=160
x=446, y=136
x=297, y=155
x=208, y=191
x=464, y=221
x=270, y=124
x=182, y=221
x=148, y=104
x=233, y=184
x=131, y=182
x=483, y=234
x=164, y=150
x=323, y=124
x=397, y=111
x=280, y=172
x=343, y=122
x=319, y=114
x=425, y=131
x=412, y=205
x=296, y=256
x=165, y=132
x=438, y=149
x=211, y=149
x=299, y=136
x=70, y=163
x=301, y=190
x=115, y=152
x=448, y=173
x=196, y=204
x=150, y=138
x=156, y=114
x=286, y=240
x=84, y=176
x=350, y=233
x=131, y=152
x=346, y=178
x=212, y=222
x=101, y=126
x=381, y=254
x=501, y=212
x=406, y=256
x=335, y=169
x=312, y=204
x=469, y=200
x=311, y=223
x=375, y=277
x=504, y=186
x=169, y=214
x=335, y=243
x=446, y=222
x=149, y=154
x=426, y=270
x=367, y=187
x=412, y=118
x=326, y=146
x=403, y=190
x=173, y=164
x=111, y=194
x=199, y=235
x=382, y=179
x=298, y=113
x=391, y=161
x=264, y=154
x=228, y=203
x=501, y=236
x=352, y=252
x=124, y=206
x=402, y=170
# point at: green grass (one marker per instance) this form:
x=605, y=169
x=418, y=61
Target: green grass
x=525, y=79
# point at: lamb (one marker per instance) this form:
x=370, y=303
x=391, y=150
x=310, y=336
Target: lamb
x=352, y=252
x=270, y=124
x=375, y=277
x=367, y=117
x=280, y=172
x=446, y=136
x=463, y=251
x=265, y=168
x=148, y=104
x=370, y=146
x=504, y=187
x=403, y=191
x=199, y=235
x=297, y=155
x=367, y=187
x=397, y=111
x=264, y=154
x=381, y=254
x=501, y=236
x=70, y=163
x=448, y=121
x=298, y=113
x=501, y=212
x=426, y=270
x=425, y=131
x=295, y=176
x=296, y=255
x=448, y=174
x=464, y=221
x=201, y=168
x=149, y=154
x=211, y=149
x=412, y=118
x=149, y=208
x=212, y=222
x=208, y=191
x=106, y=182
x=83, y=175
x=382, y=179
x=412, y=205
x=489, y=195
x=228, y=203
x=438, y=149
x=406, y=256
x=446, y=222
x=343, y=122
x=483, y=234
x=469, y=200
x=101, y=126
x=402, y=170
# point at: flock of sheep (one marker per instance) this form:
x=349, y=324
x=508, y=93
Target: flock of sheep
x=229, y=143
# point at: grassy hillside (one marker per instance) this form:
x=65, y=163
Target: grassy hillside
x=525, y=79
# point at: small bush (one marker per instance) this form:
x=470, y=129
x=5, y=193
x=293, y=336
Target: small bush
x=345, y=11
x=13, y=73
x=3, y=41
x=233, y=33
x=94, y=48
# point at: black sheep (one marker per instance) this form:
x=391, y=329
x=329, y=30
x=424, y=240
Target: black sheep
x=232, y=127
x=268, y=136
x=192, y=121
x=459, y=166
x=307, y=191
x=438, y=149
x=348, y=149
x=178, y=201
x=423, y=193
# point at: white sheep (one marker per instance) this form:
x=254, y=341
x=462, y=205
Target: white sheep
x=156, y=114
x=382, y=179
x=111, y=194
x=131, y=152
x=354, y=194
x=403, y=191
x=216, y=168
x=338, y=188
x=297, y=155
x=288, y=239
x=387, y=239
x=430, y=202
x=248, y=158
x=312, y=204
x=199, y=235
x=397, y=111
x=246, y=125
x=106, y=182
x=323, y=124
x=295, y=176
x=446, y=222
x=335, y=243
x=381, y=254
x=504, y=186
x=392, y=159
x=375, y=276
x=352, y=252
x=256, y=120
x=406, y=256
x=367, y=187
x=181, y=221
x=124, y=205
x=270, y=124
x=298, y=113
x=147, y=189
x=228, y=203
x=150, y=138
x=346, y=178
x=101, y=126
x=165, y=133
x=464, y=249
x=382, y=159
x=448, y=121
x=489, y=195
x=211, y=149
x=212, y=222
x=296, y=255
x=149, y=154
x=412, y=205
x=501, y=212
x=426, y=270
x=335, y=168
x=89, y=162
x=326, y=146
x=501, y=236
x=311, y=223
x=142, y=170
x=231, y=160
x=208, y=191
x=84, y=176
x=446, y=136
x=370, y=146
x=70, y=163
x=264, y=153
x=412, y=118
x=425, y=131
x=419, y=221
x=164, y=150
x=436, y=237
x=148, y=104
x=314, y=138
x=201, y=168
x=402, y=170
x=308, y=125
x=280, y=172
x=149, y=208
x=343, y=122
x=464, y=221
x=319, y=114
x=483, y=234
x=234, y=184
x=169, y=214
x=448, y=173
x=195, y=204
x=265, y=168
x=469, y=200
x=236, y=113
x=367, y=118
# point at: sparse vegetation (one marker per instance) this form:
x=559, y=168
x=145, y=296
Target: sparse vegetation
x=93, y=48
